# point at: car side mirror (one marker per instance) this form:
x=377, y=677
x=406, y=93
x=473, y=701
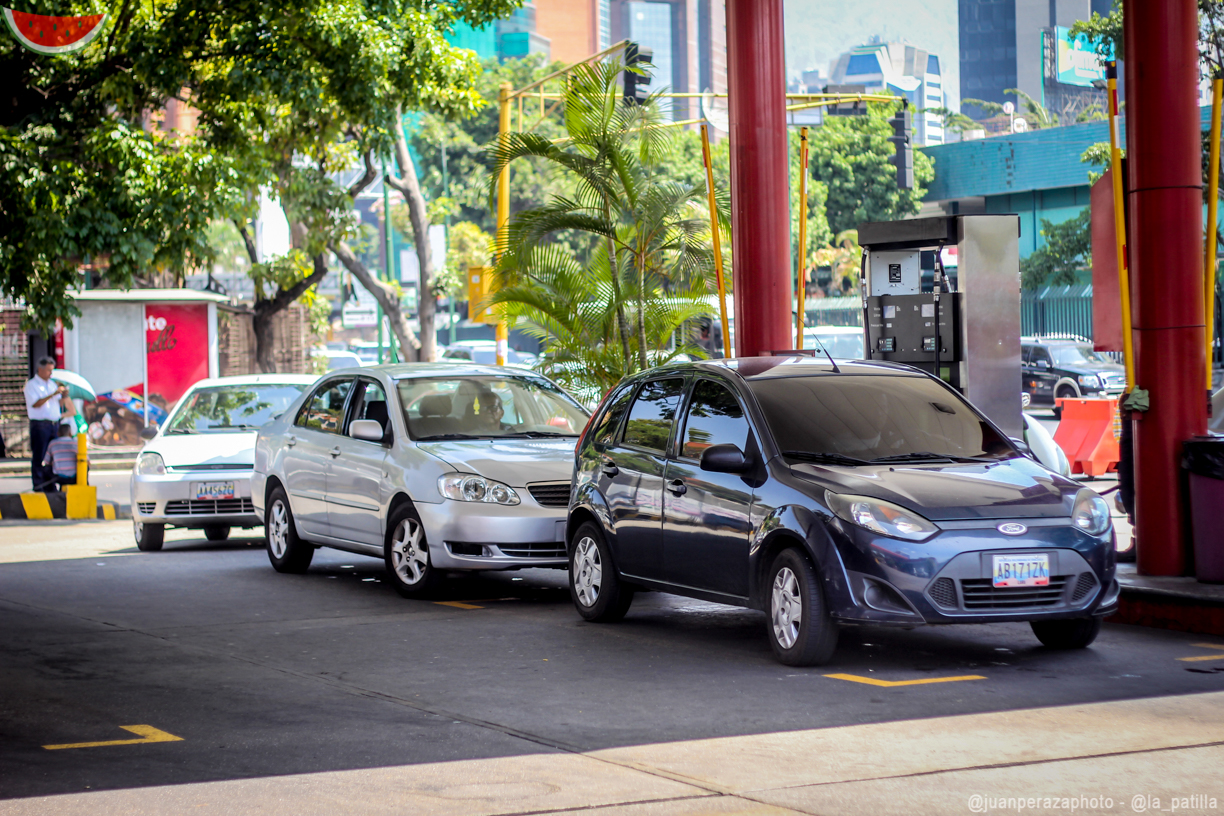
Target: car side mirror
x=725, y=458
x=367, y=429
x=148, y=432
x=1044, y=365
x=1021, y=444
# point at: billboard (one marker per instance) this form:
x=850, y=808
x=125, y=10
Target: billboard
x=1077, y=63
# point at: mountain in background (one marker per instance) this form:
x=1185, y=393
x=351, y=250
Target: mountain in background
x=817, y=31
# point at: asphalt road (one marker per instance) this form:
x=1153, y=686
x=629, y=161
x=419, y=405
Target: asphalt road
x=262, y=675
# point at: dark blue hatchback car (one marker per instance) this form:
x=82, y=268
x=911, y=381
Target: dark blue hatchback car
x=827, y=495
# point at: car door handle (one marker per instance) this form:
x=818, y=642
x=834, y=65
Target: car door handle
x=609, y=469
x=677, y=486
x=291, y=441
x=335, y=451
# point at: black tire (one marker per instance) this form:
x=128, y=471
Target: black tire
x=596, y=588
x=216, y=532
x=1077, y=633
x=811, y=639
x=406, y=554
x=149, y=537
x=286, y=551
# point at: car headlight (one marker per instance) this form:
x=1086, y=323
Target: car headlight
x=880, y=517
x=150, y=464
x=469, y=487
x=1090, y=380
x=1091, y=513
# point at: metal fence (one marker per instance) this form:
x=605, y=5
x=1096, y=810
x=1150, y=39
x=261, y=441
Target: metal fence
x=1057, y=310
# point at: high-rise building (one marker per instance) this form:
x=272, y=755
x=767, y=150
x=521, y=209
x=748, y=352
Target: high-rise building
x=903, y=70
x=1024, y=44
x=572, y=27
x=514, y=37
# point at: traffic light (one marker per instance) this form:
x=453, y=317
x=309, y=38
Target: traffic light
x=637, y=56
x=903, y=158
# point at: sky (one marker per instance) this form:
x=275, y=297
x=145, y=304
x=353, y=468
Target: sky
x=817, y=31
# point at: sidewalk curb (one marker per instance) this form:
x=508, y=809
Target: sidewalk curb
x=1162, y=609
x=47, y=506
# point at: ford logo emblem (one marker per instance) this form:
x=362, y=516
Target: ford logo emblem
x=1012, y=528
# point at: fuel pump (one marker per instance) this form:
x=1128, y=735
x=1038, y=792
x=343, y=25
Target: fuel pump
x=960, y=323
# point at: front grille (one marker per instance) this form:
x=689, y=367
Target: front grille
x=542, y=549
x=550, y=494
x=980, y=593
x=145, y=508
x=1083, y=587
x=208, y=507
x=223, y=466
x=943, y=593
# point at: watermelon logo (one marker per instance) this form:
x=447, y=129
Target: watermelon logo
x=53, y=35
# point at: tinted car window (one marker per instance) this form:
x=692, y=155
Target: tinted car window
x=653, y=414
x=325, y=410
x=605, y=431
x=1026, y=353
x=714, y=418
x=1078, y=355
x=873, y=416
x=371, y=403
x=1039, y=353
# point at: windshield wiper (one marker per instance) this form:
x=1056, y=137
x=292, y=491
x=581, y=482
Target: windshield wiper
x=534, y=434
x=825, y=458
x=929, y=456
x=445, y=436
x=181, y=431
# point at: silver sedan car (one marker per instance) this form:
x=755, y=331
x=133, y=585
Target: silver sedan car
x=431, y=467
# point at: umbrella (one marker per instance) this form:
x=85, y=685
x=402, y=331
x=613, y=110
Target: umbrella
x=78, y=386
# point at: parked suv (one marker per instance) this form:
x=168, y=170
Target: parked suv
x=1053, y=369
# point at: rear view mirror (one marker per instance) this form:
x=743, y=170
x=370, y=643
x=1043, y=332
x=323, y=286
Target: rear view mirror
x=148, y=432
x=1021, y=444
x=724, y=459
x=366, y=429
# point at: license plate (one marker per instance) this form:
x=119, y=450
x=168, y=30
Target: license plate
x=213, y=491
x=1022, y=570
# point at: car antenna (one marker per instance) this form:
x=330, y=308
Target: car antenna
x=836, y=370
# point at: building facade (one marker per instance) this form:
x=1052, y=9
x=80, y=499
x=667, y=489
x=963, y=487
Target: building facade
x=903, y=70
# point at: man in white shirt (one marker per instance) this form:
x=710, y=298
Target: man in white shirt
x=43, y=399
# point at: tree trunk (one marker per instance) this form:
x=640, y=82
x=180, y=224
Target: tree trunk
x=268, y=308
x=641, y=269
x=614, y=267
x=410, y=187
x=387, y=297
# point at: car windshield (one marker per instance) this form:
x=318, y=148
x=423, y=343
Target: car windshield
x=844, y=346
x=231, y=408
x=1077, y=355
x=873, y=417
x=470, y=407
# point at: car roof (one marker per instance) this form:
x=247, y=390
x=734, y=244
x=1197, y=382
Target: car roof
x=444, y=368
x=763, y=368
x=1055, y=341
x=258, y=379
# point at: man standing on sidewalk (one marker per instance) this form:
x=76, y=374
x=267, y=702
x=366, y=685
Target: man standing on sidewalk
x=43, y=407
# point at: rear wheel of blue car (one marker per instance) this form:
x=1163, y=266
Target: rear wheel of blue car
x=800, y=629
x=598, y=593
x=1067, y=634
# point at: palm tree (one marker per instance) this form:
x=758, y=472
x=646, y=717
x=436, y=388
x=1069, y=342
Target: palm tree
x=650, y=269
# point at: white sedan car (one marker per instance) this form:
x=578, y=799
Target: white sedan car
x=196, y=471
x=430, y=466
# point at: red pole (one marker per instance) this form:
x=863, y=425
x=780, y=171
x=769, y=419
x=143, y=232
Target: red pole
x=760, y=203
x=1166, y=248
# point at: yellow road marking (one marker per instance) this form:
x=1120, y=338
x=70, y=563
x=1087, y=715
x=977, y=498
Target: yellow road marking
x=1209, y=645
x=458, y=604
x=36, y=506
x=871, y=681
x=1201, y=658
x=147, y=734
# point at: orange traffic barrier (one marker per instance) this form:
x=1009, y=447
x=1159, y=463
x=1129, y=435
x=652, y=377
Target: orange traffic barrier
x=1088, y=434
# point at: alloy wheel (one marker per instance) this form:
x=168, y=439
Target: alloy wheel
x=278, y=530
x=786, y=609
x=138, y=530
x=409, y=556
x=588, y=571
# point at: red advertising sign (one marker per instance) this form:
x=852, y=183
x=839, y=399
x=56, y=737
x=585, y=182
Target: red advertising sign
x=177, y=344
x=59, y=343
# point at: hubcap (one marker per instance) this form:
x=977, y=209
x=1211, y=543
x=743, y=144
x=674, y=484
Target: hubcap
x=587, y=571
x=409, y=555
x=138, y=529
x=278, y=529
x=786, y=609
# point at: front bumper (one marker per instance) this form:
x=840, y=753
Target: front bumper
x=477, y=536
x=948, y=578
x=170, y=499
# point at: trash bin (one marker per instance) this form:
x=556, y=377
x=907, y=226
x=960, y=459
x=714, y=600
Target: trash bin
x=1203, y=458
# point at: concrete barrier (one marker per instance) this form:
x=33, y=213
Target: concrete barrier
x=43, y=506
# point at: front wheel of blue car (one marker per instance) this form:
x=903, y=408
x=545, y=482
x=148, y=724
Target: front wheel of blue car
x=1077, y=633
x=801, y=631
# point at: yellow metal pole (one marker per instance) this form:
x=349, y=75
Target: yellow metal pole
x=1115, y=166
x=82, y=460
x=503, y=209
x=718, y=264
x=1213, y=192
x=800, y=286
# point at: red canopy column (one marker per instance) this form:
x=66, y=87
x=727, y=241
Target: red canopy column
x=1166, y=249
x=760, y=205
